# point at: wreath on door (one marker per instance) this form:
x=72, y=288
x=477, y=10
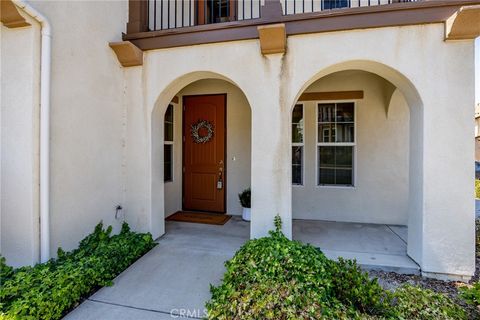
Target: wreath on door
x=202, y=131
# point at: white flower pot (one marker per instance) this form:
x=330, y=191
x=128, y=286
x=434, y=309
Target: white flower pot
x=246, y=214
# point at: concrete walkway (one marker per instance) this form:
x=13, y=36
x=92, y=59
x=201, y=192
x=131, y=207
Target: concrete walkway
x=173, y=279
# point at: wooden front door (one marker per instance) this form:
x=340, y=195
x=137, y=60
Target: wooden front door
x=204, y=153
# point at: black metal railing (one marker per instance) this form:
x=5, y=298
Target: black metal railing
x=170, y=14
x=305, y=6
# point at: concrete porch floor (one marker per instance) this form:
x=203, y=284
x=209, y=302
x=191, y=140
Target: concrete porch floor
x=173, y=279
x=374, y=246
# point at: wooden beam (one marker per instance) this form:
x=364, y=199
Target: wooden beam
x=463, y=24
x=10, y=16
x=331, y=95
x=127, y=53
x=137, y=16
x=273, y=38
x=175, y=100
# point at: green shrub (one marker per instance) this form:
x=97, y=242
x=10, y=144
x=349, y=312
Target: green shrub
x=354, y=288
x=416, y=303
x=245, y=198
x=48, y=290
x=477, y=188
x=471, y=294
x=5, y=271
x=477, y=237
x=276, y=278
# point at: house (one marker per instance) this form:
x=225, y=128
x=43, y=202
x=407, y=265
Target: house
x=354, y=111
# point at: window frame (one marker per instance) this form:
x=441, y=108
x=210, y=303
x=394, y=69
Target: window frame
x=338, y=144
x=171, y=143
x=298, y=144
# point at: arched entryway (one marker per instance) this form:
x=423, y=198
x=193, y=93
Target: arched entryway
x=357, y=163
x=205, y=175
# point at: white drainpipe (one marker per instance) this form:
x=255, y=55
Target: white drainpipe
x=45, y=66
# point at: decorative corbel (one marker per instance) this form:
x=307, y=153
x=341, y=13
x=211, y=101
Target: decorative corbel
x=273, y=38
x=463, y=24
x=128, y=54
x=10, y=16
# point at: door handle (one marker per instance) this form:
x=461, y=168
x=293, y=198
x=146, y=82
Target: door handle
x=220, y=175
x=220, y=180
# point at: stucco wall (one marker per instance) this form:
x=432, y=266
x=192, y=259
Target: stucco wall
x=380, y=192
x=436, y=84
x=19, y=116
x=238, y=152
x=106, y=123
x=87, y=117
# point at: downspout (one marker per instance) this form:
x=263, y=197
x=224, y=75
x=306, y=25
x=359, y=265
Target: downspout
x=45, y=66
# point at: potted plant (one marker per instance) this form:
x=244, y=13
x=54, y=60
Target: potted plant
x=245, y=197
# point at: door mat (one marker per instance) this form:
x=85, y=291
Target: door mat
x=199, y=217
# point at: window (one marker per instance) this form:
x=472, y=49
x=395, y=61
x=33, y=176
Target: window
x=335, y=4
x=168, y=145
x=218, y=11
x=336, y=143
x=297, y=144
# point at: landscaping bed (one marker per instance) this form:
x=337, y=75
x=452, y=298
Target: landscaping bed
x=49, y=290
x=452, y=289
x=465, y=295
x=276, y=278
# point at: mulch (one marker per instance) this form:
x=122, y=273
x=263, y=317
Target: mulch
x=392, y=280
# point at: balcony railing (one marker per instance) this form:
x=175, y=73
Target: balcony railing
x=304, y=6
x=170, y=14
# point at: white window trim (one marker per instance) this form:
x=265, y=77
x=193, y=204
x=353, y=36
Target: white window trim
x=298, y=144
x=340, y=144
x=172, y=143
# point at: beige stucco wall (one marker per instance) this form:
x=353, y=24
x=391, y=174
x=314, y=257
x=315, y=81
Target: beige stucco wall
x=440, y=211
x=380, y=194
x=19, y=114
x=87, y=118
x=106, y=123
x=238, y=144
